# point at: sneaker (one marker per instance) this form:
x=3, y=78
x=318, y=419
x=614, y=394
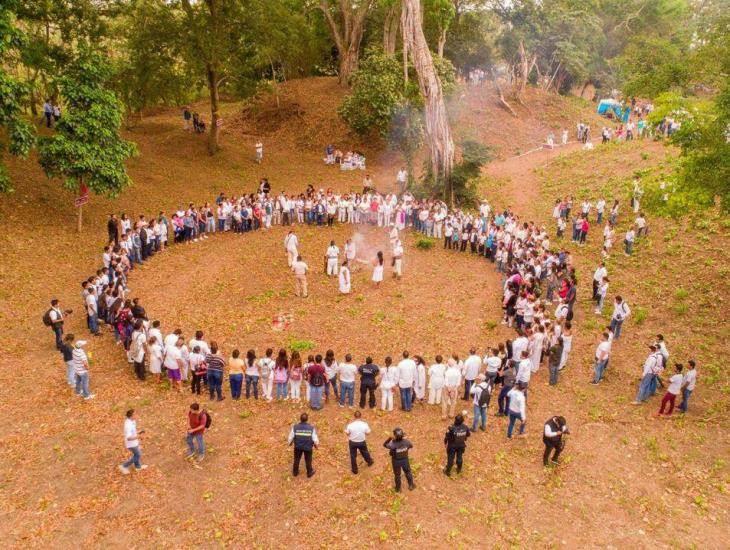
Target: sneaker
x=90, y=396
x=446, y=472
x=312, y=473
x=123, y=469
x=189, y=456
x=412, y=486
x=201, y=458
x=594, y=383
x=142, y=467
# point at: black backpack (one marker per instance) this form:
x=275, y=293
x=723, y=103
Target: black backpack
x=47, y=318
x=317, y=380
x=208, y=419
x=485, y=396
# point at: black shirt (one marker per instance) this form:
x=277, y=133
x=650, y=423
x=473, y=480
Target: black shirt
x=67, y=352
x=456, y=436
x=398, y=449
x=368, y=373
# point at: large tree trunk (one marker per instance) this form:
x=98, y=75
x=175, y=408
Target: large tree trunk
x=212, y=75
x=438, y=131
x=347, y=33
x=390, y=29
x=526, y=64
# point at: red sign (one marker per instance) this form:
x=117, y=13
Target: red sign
x=219, y=122
x=80, y=201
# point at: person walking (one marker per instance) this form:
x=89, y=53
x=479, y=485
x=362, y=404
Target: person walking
x=131, y=443
x=516, y=409
x=455, y=441
x=398, y=446
x=304, y=438
x=555, y=428
x=481, y=393
x=299, y=268
x=197, y=424
x=357, y=431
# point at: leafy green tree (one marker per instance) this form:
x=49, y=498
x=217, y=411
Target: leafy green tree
x=12, y=93
x=86, y=149
x=651, y=65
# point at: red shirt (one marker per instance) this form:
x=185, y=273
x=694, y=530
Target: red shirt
x=196, y=419
x=314, y=369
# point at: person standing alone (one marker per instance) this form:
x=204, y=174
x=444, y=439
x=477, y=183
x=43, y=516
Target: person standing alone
x=357, y=431
x=304, y=438
x=197, y=424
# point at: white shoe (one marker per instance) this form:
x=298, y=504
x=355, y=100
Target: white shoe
x=124, y=470
x=142, y=467
x=90, y=396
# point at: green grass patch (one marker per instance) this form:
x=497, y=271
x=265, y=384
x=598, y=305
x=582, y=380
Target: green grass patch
x=640, y=315
x=425, y=243
x=295, y=344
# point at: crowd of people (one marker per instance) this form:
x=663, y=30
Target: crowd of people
x=349, y=160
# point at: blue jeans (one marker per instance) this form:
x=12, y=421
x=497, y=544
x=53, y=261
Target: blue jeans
x=347, y=391
x=315, y=397
x=215, y=383
x=615, y=327
x=191, y=439
x=236, y=381
x=629, y=245
x=93, y=323
x=514, y=417
x=58, y=333
x=70, y=374
x=136, y=458
x=406, y=398
x=598, y=369
x=653, y=385
x=252, y=381
x=554, y=372
x=281, y=390
x=82, y=384
x=685, y=399
x=644, y=388
x=503, y=400
x=480, y=417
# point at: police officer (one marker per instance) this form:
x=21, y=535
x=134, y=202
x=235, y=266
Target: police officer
x=304, y=437
x=455, y=441
x=368, y=382
x=398, y=447
x=555, y=428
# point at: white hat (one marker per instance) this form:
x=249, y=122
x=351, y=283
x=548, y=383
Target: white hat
x=80, y=343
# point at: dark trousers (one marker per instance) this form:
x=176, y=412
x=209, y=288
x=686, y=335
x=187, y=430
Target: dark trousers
x=363, y=392
x=552, y=445
x=467, y=387
x=58, y=332
x=363, y=448
x=307, y=462
x=195, y=385
x=452, y=453
x=503, y=400
x=139, y=369
x=405, y=466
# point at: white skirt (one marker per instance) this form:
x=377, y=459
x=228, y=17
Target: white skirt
x=378, y=274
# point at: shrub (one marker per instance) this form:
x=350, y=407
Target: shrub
x=300, y=345
x=425, y=243
x=640, y=315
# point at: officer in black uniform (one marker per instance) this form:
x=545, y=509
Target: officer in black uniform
x=398, y=447
x=455, y=441
x=304, y=438
x=555, y=428
x=368, y=383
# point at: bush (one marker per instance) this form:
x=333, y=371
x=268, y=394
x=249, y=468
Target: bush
x=640, y=315
x=425, y=243
x=300, y=345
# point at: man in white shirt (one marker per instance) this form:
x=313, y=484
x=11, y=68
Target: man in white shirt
x=598, y=275
x=688, y=385
x=131, y=443
x=516, y=409
x=174, y=363
x=347, y=372
x=331, y=257
x=436, y=373
x=357, y=431
x=673, y=389
x=291, y=245
x=472, y=364
x=493, y=363
x=524, y=370
x=397, y=259
x=402, y=179
x=198, y=341
x=299, y=268
x=652, y=363
x=91, y=311
x=603, y=351
x=406, y=379
x=520, y=344
x=452, y=381
x=621, y=311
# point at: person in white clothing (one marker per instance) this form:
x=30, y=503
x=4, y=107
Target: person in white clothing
x=331, y=257
x=688, y=384
x=344, y=276
x=291, y=245
x=419, y=387
x=388, y=381
x=406, y=380
x=472, y=364
x=397, y=259
x=131, y=443
x=436, y=374
x=517, y=409
x=452, y=381
x=350, y=251
x=357, y=431
x=266, y=372
x=378, y=269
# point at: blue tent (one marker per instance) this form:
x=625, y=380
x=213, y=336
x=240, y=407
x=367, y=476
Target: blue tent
x=606, y=106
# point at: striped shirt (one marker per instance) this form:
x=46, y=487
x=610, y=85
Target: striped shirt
x=214, y=362
x=80, y=360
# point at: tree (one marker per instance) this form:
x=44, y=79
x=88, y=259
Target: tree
x=347, y=24
x=439, y=14
x=86, y=149
x=438, y=130
x=12, y=93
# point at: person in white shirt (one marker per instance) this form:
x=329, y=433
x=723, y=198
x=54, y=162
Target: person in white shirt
x=493, y=363
x=524, y=370
x=688, y=384
x=131, y=443
x=299, y=268
x=154, y=349
x=174, y=363
x=600, y=209
x=266, y=371
x=344, y=278
x=198, y=341
x=81, y=369
x=516, y=409
x=402, y=179
x=436, y=374
x=350, y=251
x=673, y=389
x=520, y=344
x=452, y=381
x=419, y=385
x=598, y=276
x=291, y=245
x=397, y=259
x=347, y=372
x=651, y=367
x=621, y=311
x=357, y=431
x=388, y=381
x=603, y=351
x=601, y=295
x=480, y=402
x=406, y=380
x=331, y=257
x=472, y=364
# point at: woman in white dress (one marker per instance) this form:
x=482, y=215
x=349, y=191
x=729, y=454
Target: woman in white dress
x=156, y=355
x=567, y=335
x=536, y=347
x=388, y=380
x=345, y=282
x=420, y=383
x=436, y=381
x=378, y=270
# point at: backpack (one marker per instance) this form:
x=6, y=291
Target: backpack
x=485, y=396
x=47, y=318
x=317, y=380
x=208, y=419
